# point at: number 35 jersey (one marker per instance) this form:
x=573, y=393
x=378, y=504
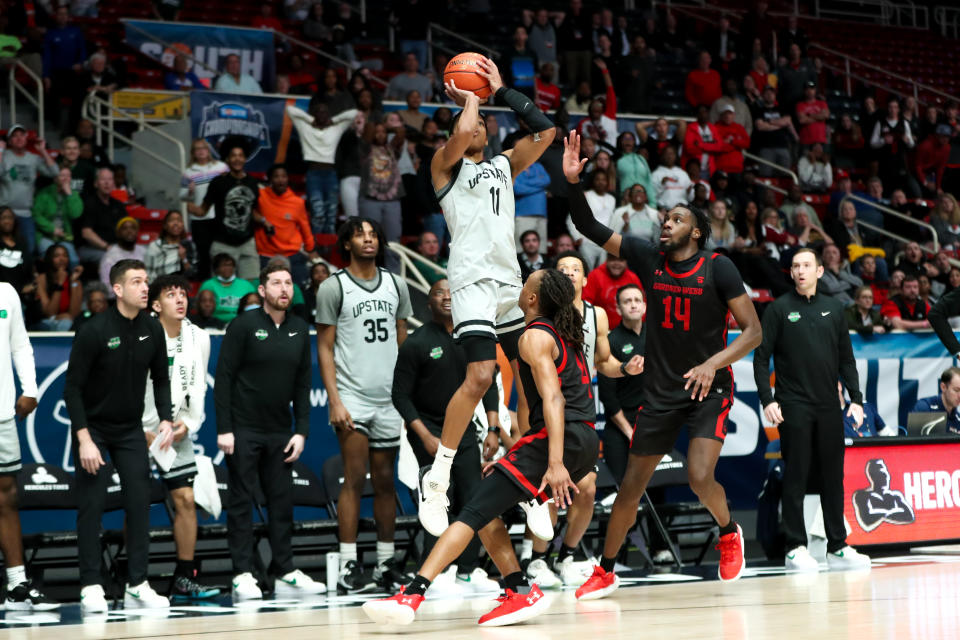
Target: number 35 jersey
x=478, y=206
x=365, y=314
x=686, y=318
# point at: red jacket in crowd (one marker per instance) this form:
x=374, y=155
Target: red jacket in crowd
x=694, y=146
x=932, y=158
x=703, y=87
x=601, y=290
x=547, y=95
x=736, y=139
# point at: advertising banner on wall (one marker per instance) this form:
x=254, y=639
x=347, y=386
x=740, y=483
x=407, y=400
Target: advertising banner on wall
x=208, y=44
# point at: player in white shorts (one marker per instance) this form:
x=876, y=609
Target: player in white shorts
x=476, y=196
x=15, y=348
x=361, y=321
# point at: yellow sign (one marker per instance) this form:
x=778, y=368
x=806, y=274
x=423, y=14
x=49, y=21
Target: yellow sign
x=155, y=105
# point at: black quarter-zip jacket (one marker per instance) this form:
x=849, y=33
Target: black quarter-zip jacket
x=107, y=372
x=262, y=369
x=810, y=344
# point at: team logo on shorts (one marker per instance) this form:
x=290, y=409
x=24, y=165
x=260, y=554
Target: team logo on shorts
x=793, y=316
x=3, y=313
x=436, y=353
x=627, y=349
x=113, y=343
x=261, y=334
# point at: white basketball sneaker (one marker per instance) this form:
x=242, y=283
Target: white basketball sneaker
x=433, y=504
x=245, y=587
x=848, y=558
x=799, y=559
x=92, y=599
x=142, y=596
x=538, y=519
x=539, y=573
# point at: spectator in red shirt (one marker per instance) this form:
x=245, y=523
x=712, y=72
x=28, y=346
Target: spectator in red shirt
x=703, y=83
x=546, y=94
x=760, y=73
x=907, y=310
x=702, y=141
x=812, y=114
x=266, y=19
x=732, y=134
x=932, y=156
x=603, y=282
x=601, y=121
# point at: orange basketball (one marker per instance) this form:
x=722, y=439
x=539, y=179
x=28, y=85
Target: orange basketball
x=462, y=69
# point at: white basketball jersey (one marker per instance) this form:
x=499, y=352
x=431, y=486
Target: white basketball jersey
x=590, y=336
x=365, y=350
x=478, y=206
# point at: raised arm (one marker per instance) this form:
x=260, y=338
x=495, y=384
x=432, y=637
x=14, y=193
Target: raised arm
x=452, y=152
x=580, y=213
x=530, y=148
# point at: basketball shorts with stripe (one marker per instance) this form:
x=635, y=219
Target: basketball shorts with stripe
x=9, y=448
x=522, y=470
x=655, y=431
x=184, y=468
x=381, y=423
x=485, y=312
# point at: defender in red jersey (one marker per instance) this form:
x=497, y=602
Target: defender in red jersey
x=688, y=382
x=560, y=448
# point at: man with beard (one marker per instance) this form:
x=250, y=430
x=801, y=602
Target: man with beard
x=264, y=366
x=687, y=363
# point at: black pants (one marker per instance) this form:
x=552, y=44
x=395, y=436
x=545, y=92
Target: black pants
x=202, y=232
x=127, y=450
x=258, y=457
x=809, y=431
x=464, y=479
x=616, y=446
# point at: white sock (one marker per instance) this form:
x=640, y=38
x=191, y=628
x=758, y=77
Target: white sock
x=348, y=552
x=526, y=549
x=385, y=551
x=16, y=576
x=440, y=472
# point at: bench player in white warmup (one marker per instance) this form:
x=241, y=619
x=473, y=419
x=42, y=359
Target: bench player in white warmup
x=476, y=196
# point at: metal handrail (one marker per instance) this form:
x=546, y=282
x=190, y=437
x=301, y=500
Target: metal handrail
x=774, y=165
x=321, y=52
x=866, y=225
x=408, y=266
x=896, y=214
x=873, y=67
x=94, y=106
x=35, y=101
x=433, y=26
x=940, y=16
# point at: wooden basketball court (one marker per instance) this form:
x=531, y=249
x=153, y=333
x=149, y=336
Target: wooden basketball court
x=914, y=596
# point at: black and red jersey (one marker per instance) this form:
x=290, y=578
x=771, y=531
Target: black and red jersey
x=575, y=381
x=686, y=318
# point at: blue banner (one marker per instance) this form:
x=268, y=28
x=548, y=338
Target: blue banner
x=894, y=370
x=210, y=44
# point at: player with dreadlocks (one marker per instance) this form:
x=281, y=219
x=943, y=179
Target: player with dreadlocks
x=688, y=377
x=559, y=449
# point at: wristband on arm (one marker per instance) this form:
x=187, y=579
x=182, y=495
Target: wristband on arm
x=582, y=217
x=525, y=109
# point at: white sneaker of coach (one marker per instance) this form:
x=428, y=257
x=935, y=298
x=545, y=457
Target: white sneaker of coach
x=445, y=586
x=245, y=587
x=848, y=558
x=799, y=559
x=433, y=505
x=298, y=583
x=477, y=581
x=92, y=599
x=142, y=596
x=538, y=519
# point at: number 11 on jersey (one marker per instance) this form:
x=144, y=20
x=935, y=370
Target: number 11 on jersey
x=495, y=200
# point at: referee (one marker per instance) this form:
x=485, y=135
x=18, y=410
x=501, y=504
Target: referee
x=104, y=391
x=264, y=366
x=430, y=367
x=807, y=335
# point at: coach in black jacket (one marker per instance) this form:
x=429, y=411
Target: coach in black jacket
x=104, y=392
x=264, y=365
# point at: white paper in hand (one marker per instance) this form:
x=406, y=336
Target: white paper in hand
x=163, y=457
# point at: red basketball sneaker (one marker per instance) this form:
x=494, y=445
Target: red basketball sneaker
x=516, y=607
x=400, y=609
x=599, y=585
x=731, y=555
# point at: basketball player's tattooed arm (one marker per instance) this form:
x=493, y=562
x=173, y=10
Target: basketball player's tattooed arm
x=605, y=362
x=339, y=416
x=529, y=149
x=700, y=378
x=538, y=349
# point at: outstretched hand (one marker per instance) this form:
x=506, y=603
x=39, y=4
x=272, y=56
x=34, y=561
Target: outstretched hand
x=572, y=162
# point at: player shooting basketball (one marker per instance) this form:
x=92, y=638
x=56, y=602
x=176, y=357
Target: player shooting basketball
x=476, y=196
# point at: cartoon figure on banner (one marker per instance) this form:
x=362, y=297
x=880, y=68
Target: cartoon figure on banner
x=879, y=503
